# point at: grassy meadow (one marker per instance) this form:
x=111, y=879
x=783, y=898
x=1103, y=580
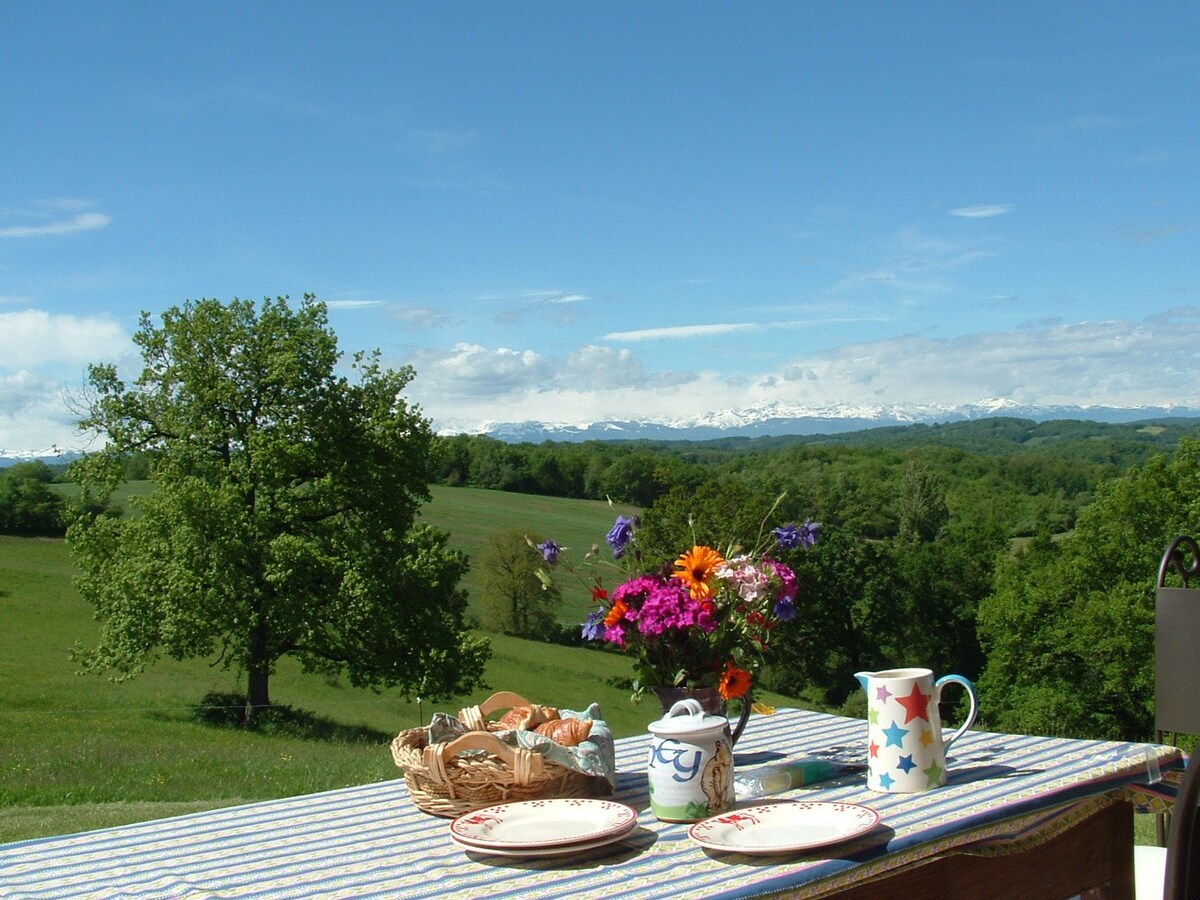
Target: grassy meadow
x=81, y=752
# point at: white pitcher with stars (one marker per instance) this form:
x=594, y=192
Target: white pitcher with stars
x=906, y=752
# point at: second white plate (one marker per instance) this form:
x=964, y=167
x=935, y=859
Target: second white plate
x=787, y=827
x=530, y=824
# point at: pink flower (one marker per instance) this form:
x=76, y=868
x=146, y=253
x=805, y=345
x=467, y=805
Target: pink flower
x=669, y=606
x=788, y=577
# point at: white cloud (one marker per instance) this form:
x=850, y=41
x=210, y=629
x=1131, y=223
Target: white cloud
x=352, y=304
x=33, y=337
x=680, y=332
x=982, y=211
x=1117, y=363
x=80, y=222
x=1112, y=363
x=35, y=415
x=475, y=370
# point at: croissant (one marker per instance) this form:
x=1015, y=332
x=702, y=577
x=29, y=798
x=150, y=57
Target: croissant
x=568, y=732
x=526, y=718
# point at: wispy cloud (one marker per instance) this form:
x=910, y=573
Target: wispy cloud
x=982, y=210
x=80, y=222
x=442, y=140
x=352, y=304
x=1145, y=234
x=520, y=304
x=680, y=332
x=1097, y=122
x=422, y=317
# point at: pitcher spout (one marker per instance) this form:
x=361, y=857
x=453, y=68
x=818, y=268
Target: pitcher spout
x=862, y=678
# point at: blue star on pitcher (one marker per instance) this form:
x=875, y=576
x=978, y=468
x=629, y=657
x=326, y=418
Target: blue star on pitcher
x=886, y=781
x=895, y=735
x=906, y=764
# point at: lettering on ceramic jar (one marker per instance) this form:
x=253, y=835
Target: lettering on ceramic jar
x=674, y=756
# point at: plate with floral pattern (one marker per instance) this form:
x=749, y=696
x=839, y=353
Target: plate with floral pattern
x=535, y=824
x=787, y=827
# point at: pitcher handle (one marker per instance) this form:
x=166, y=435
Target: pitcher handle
x=742, y=720
x=971, y=695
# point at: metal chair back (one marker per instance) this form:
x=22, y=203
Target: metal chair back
x=1177, y=649
x=1176, y=640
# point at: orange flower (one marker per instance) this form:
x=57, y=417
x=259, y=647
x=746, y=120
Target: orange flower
x=734, y=682
x=616, y=614
x=696, y=568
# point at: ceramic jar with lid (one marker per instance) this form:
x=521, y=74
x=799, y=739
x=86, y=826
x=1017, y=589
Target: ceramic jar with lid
x=690, y=768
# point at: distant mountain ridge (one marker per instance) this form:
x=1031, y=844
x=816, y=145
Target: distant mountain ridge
x=777, y=419
x=767, y=420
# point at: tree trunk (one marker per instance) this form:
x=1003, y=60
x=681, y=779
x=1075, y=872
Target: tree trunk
x=257, y=697
x=257, y=693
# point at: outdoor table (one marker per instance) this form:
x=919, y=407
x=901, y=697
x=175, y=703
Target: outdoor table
x=1021, y=816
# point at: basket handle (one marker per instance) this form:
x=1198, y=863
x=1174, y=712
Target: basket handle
x=473, y=717
x=525, y=764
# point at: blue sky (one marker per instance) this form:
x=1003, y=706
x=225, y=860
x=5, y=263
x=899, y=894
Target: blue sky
x=576, y=211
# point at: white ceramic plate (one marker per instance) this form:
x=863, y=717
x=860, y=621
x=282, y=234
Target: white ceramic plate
x=531, y=824
x=787, y=827
x=537, y=852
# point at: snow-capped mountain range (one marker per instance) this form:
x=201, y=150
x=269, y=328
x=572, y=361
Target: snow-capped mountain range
x=767, y=419
x=780, y=419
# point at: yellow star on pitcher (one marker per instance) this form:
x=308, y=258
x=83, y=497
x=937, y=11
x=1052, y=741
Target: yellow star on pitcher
x=926, y=737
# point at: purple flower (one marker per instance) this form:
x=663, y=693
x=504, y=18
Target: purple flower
x=810, y=532
x=620, y=535
x=789, y=536
x=785, y=609
x=550, y=550
x=593, y=628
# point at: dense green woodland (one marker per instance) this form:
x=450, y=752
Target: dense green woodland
x=1024, y=476
x=1020, y=554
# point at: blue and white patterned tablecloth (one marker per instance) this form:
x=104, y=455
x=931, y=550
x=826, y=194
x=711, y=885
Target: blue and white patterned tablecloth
x=370, y=841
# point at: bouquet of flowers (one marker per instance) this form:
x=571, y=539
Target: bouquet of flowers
x=706, y=621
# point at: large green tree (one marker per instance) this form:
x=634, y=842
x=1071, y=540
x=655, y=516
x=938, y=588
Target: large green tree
x=282, y=521
x=515, y=600
x=28, y=505
x=1069, y=629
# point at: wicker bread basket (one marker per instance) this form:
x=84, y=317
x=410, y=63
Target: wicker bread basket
x=444, y=782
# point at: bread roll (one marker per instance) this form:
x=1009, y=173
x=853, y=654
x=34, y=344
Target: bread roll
x=567, y=732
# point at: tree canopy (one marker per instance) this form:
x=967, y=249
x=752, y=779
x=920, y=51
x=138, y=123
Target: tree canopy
x=1069, y=628
x=28, y=505
x=282, y=522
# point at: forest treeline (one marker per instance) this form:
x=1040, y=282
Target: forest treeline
x=1020, y=475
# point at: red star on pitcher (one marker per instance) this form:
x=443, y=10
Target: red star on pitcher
x=916, y=705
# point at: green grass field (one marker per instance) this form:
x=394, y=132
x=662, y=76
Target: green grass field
x=80, y=752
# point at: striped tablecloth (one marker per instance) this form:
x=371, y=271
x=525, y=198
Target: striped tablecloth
x=370, y=841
